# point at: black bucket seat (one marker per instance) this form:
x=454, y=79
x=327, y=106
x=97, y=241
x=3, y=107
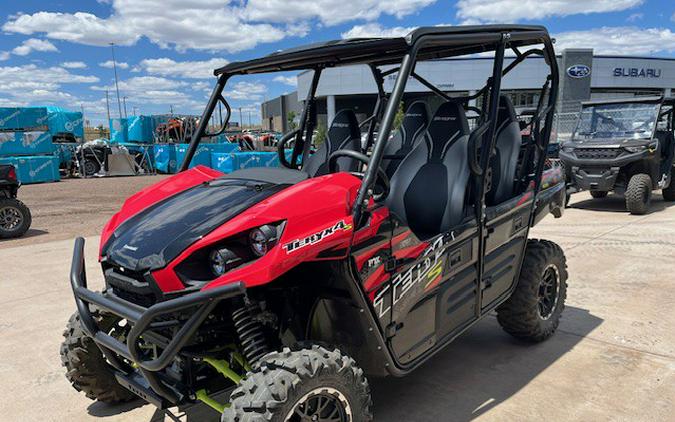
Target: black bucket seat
x=344, y=133
x=504, y=164
x=414, y=123
x=428, y=190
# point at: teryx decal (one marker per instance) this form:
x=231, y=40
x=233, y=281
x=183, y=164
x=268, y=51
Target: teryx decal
x=315, y=238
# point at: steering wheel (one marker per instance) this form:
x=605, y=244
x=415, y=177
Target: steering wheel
x=281, y=147
x=382, y=178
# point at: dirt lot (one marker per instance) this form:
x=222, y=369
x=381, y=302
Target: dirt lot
x=74, y=207
x=613, y=358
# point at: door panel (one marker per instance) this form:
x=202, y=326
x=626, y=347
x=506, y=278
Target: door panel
x=433, y=288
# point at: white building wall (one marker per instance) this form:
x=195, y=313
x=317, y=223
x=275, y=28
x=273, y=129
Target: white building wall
x=471, y=74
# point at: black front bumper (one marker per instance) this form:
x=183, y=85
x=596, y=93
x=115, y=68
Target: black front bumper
x=147, y=381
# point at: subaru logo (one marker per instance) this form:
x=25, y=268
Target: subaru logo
x=578, y=71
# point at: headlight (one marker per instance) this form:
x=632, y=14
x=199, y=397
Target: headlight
x=639, y=148
x=262, y=239
x=634, y=149
x=222, y=260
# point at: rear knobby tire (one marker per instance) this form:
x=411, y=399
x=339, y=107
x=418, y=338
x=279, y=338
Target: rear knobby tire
x=15, y=218
x=669, y=192
x=284, y=380
x=598, y=194
x=87, y=369
x=639, y=194
x=522, y=315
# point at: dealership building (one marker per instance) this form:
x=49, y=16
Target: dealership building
x=583, y=76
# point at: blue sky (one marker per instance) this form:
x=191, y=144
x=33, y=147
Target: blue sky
x=57, y=52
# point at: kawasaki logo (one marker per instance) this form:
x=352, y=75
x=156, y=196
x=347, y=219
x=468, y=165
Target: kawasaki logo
x=316, y=237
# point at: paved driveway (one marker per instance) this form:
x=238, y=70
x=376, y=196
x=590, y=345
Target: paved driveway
x=613, y=358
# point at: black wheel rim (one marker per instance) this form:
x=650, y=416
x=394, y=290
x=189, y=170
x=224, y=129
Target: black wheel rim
x=10, y=219
x=89, y=168
x=548, y=292
x=321, y=405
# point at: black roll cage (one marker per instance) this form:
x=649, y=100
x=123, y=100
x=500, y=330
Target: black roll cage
x=420, y=45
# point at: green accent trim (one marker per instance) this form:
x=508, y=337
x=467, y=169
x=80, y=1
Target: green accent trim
x=241, y=361
x=224, y=368
x=203, y=397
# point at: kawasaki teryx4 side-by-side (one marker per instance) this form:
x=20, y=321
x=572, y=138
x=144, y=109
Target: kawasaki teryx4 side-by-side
x=15, y=217
x=625, y=146
x=289, y=286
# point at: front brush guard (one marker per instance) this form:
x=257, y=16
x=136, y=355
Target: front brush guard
x=142, y=319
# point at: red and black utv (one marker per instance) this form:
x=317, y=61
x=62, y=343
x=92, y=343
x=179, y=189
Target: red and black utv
x=15, y=217
x=289, y=286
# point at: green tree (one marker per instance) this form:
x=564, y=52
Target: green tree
x=319, y=135
x=292, y=125
x=400, y=115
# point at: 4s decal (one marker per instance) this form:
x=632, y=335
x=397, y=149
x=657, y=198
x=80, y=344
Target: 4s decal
x=315, y=238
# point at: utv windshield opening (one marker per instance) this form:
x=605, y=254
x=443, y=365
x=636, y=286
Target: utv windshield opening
x=626, y=120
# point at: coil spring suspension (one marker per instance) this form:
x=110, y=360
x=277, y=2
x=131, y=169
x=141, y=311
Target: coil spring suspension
x=250, y=332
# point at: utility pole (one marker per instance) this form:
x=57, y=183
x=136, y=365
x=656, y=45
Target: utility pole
x=124, y=100
x=171, y=108
x=241, y=120
x=117, y=88
x=107, y=105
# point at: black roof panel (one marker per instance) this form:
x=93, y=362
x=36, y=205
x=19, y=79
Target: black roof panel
x=452, y=41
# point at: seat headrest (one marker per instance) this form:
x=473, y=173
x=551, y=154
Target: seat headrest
x=448, y=124
x=416, y=116
x=345, y=126
x=506, y=112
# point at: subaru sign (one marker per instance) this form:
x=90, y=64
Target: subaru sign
x=634, y=72
x=578, y=71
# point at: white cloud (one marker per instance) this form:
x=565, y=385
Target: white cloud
x=4, y=55
x=29, y=83
x=109, y=64
x=330, y=12
x=204, y=24
x=74, y=65
x=246, y=91
x=619, y=40
x=635, y=17
x=513, y=10
x=375, y=30
x=139, y=84
x=287, y=80
x=196, y=24
x=34, y=44
x=185, y=69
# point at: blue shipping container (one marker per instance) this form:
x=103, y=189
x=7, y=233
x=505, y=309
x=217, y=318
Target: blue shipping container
x=35, y=169
x=17, y=118
x=61, y=121
x=202, y=155
x=26, y=143
x=222, y=162
x=165, y=158
x=119, y=133
x=224, y=147
x=140, y=129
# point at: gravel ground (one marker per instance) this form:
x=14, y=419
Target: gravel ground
x=74, y=207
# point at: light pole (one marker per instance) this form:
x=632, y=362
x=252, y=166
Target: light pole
x=117, y=88
x=124, y=100
x=107, y=105
x=241, y=120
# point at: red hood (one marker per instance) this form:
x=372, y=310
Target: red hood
x=153, y=194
